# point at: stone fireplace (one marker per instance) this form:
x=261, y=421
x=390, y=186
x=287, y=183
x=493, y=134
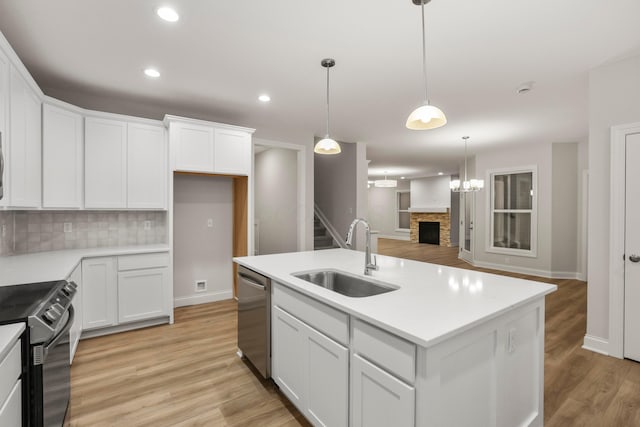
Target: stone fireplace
x=443, y=217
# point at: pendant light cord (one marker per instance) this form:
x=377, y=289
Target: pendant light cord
x=328, y=102
x=424, y=54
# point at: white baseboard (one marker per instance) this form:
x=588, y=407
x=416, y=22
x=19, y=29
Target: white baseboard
x=91, y=333
x=202, y=299
x=596, y=344
x=530, y=271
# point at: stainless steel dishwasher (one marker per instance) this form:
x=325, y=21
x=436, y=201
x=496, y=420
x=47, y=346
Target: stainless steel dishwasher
x=254, y=319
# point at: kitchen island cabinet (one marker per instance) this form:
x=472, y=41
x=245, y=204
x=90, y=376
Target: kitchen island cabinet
x=449, y=347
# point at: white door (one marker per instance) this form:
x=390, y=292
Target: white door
x=632, y=250
x=467, y=210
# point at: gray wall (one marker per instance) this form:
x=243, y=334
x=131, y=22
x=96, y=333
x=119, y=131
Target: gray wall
x=382, y=210
x=38, y=231
x=431, y=192
x=201, y=252
x=276, y=185
x=614, y=94
x=335, y=186
x=564, y=208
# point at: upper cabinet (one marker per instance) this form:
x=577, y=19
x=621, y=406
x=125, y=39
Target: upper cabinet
x=4, y=122
x=105, y=163
x=208, y=147
x=24, y=144
x=62, y=158
x=125, y=165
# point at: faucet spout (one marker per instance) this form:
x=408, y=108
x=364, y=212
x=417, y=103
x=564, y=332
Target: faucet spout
x=368, y=265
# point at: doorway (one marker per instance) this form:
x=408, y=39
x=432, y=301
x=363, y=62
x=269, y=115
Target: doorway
x=624, y=262
x=467, y=208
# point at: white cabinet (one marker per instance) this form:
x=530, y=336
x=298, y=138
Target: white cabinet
x=4, y=121
x=11, y=374
x=11, y=409
x=105, y=163
x=24, y=154
x=144, y=287
x=311, y=369
x=62, y=158
x=194, y=147
x=208, y=147
x=232, y=152
x=99, y=293
x=147, y=169
x=76, y=327
x=378, y=398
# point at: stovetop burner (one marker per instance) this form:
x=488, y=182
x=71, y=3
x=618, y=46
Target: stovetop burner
x=18, y=302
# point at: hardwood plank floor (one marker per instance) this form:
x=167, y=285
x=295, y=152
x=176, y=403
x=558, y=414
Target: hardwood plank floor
x=188, y=374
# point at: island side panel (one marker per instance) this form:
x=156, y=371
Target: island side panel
x=491, y=375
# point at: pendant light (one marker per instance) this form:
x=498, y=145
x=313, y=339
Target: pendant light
x=385, y=183
x=466, y=186
x=426, y=116
x=327, y=145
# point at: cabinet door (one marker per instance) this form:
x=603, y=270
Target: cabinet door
x=61, y=158
x=193, y=147
x=99, y=293
x=288, y=356
x=25, y=144
x=147, y=169
x=76, y=327
x=141, y=294
x=328, y=380
x=11, y=408
x=4, y=121
x=232, y=152
x=379, y=399
x=105, y=164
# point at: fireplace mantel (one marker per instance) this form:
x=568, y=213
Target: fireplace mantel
x=428, y=209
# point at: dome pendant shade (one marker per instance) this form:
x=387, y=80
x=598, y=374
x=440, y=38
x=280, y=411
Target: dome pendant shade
x=327, y=146
x=426, y=117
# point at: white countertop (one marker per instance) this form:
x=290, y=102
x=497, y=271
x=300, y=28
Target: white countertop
x=8, y=334
x=57, y=265
x=433, y=303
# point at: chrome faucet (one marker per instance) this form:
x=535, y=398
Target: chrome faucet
x=368, y=265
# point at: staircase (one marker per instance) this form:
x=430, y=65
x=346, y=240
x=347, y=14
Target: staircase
x=321, y=237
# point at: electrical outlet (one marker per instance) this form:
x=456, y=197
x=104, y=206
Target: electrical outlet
x=201, y=285
x=147, y=225
x=210, y=222
x=68, y=227
x=511, y=340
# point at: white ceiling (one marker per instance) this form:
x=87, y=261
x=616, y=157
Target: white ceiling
x=222, y=54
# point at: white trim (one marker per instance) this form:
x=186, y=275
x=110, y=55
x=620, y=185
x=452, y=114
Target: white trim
x=92, y=333
x=596, y=344
x=584, y=235
x=412, y=209
x=202, y=299
x=170, y=118
x=524, y=270
x=301, y=171
x=616, y=236
x=533, y=251
x=391, y=236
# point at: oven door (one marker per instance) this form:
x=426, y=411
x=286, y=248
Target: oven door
x=52, y=378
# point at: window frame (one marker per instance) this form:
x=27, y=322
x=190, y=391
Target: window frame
x=398, y=211
x=532, y=252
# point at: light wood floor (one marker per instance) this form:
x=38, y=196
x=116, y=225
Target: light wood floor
x=188, y=374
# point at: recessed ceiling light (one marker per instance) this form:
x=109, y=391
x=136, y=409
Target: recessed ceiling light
x=264, y=98
x=402, y=177
x=168, y=14
x=152, y=72
x=440, y=173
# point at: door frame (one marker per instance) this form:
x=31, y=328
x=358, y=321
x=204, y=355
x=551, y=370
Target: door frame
x=301, y=172
x=616, y=236
x=462, y=253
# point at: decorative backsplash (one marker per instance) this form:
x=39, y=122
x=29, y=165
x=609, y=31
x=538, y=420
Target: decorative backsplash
x=37, y=231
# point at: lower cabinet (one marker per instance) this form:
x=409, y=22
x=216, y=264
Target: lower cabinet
x=76, y=327
x=378, y=398
x=311, y=369
x=123, y=289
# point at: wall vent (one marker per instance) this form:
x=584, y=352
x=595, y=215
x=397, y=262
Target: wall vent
x=201, y=285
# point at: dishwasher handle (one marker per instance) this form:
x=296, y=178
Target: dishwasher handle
x=247, y=280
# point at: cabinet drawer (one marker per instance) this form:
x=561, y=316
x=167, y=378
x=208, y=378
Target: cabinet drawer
x=137, y=262
x=327, y=320
x=11, y=408
x=10, y=370
x=388, y=351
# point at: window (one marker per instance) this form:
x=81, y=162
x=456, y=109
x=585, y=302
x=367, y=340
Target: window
x=403, y=217
x=513, y=212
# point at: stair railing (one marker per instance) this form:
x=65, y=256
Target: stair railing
x=330, y=228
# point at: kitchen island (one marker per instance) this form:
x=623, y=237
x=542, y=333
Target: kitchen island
x=448, y=347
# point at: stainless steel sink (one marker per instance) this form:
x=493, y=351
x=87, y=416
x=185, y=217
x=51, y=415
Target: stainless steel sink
x=345, y=283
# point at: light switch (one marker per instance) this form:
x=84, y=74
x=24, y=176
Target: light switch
x=210, y=222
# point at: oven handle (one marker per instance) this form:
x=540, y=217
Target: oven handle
x=62, y=332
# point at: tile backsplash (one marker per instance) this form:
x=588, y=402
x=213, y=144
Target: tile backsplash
x=36, y=231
